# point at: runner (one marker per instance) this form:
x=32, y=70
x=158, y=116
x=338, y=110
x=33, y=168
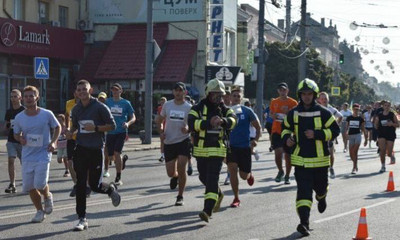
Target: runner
x=32, y=130
x=124, y=116
x=386, y=123
x=268, y=124
x=345, y=113
x=369, y=126
x=161, y=103
x=279, y=107
x=239, y=154
x=323, y=99
x=90, y=119
x=176, y=138
x=14, y=148
x=62, y=144
x=253, y=134
x=355, y=124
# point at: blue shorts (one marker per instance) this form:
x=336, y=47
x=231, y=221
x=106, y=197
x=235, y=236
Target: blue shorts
x=14, y=150
x=115, y=143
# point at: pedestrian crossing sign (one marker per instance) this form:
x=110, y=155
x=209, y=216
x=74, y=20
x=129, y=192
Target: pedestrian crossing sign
x=41, y=68
x=335, y=91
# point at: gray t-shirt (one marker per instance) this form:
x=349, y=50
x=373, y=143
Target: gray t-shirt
x=175, y=119
x=96, y=113
x=36, y=131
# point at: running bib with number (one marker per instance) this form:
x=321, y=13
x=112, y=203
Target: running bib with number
x=82, y=126
x=116, y=111
x=354, y=124
x=384, y=122
x=34, y=140
x=175, y=115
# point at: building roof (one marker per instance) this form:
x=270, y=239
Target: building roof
x=125, y=57
x=175, y=61
x=92, y=61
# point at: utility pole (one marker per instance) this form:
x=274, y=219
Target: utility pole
x=288, y=20
x=149, y=74
x=302, y=59
x=261, y=61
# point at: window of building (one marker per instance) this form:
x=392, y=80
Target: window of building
x=63, y=16
x=43, y=12
x=19, y=9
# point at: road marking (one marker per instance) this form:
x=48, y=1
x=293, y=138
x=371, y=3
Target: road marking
x=73, y=205
x=354, y=211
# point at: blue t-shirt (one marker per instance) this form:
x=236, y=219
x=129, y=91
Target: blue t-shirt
x=120, y=110
x=269, y=119
x=240, y=135
x=36, y=131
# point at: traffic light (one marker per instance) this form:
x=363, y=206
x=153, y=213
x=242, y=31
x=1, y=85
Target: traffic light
x=341, y=58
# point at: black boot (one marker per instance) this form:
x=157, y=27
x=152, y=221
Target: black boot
x=304, y=230
x=322, y=205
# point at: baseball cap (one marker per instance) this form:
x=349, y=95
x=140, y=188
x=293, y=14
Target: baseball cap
x=283, y=85
x=180, y=85
x=117, y=85
x=102, y=95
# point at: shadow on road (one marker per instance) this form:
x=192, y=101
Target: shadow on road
x=294, y=235
x=383, y=195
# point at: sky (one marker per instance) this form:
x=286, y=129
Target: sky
x=372, y=42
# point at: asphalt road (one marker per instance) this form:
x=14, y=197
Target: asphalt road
x=267, y=208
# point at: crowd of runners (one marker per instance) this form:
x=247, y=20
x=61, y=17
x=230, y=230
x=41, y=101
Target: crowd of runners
x=220, y=129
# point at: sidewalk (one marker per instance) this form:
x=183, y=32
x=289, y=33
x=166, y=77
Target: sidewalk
x=132, y=145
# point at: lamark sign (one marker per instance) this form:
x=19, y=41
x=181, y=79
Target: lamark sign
x=33, y=39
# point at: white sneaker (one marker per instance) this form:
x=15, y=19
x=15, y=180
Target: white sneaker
x=106, y=174
x=256, y=156
x=82, y=225
x=48, y=204
x=119, y=182
x=345, y=150
x=39, y=217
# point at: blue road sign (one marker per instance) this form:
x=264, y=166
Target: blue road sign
x=41, y=68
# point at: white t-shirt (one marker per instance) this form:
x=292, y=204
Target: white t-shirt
x=175, y=119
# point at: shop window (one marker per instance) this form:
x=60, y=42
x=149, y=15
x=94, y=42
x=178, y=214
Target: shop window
x=43, y=12
x=63, y=16
x=19, y=9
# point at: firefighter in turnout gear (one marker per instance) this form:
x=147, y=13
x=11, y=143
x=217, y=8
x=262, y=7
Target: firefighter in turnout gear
x=306, y=132
x=210, y=122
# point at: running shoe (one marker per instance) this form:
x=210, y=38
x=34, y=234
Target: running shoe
x=11, y=189
x=219, y=200
x=39, y=217
x=345, y=150
x=179, y=201
x=66, y=173
x=271, y=149
x=190, y=170
x=118, y=182
x=161, y=159
x=173, y=183
x=354, y=171
x=82, y=225
x=73, y=191
x=48, y=204
x=124, y=159
x=106, y=174
x=392, y=159
x=287, y=180
x=332, y=173
x=114, y=195
x=383, y=169
x=256, y=155
x=279, y=176
x=303, y=230
x=235, y=203
x=250, y=180
x=204, y=216
x=322, y=205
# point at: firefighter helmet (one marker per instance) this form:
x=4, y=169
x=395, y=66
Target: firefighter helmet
x=214, y=85
x=307, y=85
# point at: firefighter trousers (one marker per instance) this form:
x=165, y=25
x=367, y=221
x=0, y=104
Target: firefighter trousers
x=309, y=179
x=209, y=170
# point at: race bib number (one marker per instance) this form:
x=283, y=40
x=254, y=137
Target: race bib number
x=82, y=126
x=116, y=111
x=280, y=117
x=34, y=140
x=354, y=124
x=175, y=115
x=384, y=122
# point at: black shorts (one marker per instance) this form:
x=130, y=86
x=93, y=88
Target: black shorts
x=268, y=126
x=115, y=143
x=387, y=136
x=276, y=141
x=241, y=156
x=71, y=144
x=172, y=151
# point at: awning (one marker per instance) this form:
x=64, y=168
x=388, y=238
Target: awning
x=92, y=61
x=175, y=61
x=125, y=57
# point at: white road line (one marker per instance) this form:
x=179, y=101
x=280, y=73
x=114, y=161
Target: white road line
x=354, y=211
x=72, y=206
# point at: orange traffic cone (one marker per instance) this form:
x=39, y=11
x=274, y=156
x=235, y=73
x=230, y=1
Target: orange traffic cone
x=362, y=230
x=390, y=185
